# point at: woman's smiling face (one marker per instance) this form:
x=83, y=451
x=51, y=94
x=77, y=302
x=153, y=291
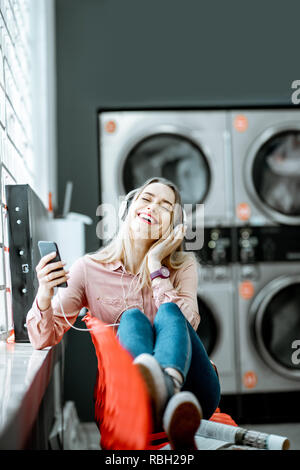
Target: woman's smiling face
x=151, y=213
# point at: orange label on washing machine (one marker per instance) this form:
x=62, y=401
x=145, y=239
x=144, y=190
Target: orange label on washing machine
x=246, y=290
x=243, y=211
x=240, y=123
x=250, y=379
x=110, y=126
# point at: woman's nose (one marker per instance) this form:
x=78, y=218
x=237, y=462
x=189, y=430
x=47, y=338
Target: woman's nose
x=150, y=205
x=152, y=208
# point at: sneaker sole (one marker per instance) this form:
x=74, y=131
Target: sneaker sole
x=181, y=420
x=155, y=382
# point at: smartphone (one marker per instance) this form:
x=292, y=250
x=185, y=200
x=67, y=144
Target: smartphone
x=48, y=247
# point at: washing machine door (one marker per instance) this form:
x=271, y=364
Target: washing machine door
x=272, y=174
x=275, y=318
x=172, y=156
x=208, y=328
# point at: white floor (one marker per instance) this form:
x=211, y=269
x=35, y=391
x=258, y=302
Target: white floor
x=90, y=435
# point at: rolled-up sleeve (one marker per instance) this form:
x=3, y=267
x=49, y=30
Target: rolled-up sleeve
x=182, y=291
x=46, y=328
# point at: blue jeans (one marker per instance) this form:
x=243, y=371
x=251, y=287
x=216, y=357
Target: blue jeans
x=174, y=343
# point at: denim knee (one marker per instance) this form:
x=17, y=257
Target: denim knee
x=134, y=319
x=132, y=313
x=165, y=311
x=135, y=332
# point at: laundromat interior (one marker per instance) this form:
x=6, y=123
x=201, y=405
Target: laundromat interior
x=96, y=97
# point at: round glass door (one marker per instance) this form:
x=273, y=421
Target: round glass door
x=277, y=329
x=281, y=325
x=173, y=157
x=276, y=173
x=207, y=329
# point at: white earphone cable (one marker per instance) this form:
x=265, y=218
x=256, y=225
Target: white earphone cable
x=125, y=297
x=70, y=324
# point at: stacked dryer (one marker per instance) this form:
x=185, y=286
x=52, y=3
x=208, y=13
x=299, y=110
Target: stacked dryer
x=191, y=148
x=266, y=175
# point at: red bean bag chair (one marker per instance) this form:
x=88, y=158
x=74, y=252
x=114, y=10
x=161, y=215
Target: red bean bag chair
x=122, y=406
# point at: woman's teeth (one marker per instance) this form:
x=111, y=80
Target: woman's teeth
x=147, y=218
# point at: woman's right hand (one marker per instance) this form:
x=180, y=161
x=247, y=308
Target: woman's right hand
x=48, y=278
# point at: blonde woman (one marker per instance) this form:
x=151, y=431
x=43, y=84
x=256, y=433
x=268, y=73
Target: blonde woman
x=144, y=282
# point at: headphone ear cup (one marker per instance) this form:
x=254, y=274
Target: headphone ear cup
x=179, y=216
x=184, y=218
x=124, y=207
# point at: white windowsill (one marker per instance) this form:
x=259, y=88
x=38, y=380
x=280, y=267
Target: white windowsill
x=25, y=374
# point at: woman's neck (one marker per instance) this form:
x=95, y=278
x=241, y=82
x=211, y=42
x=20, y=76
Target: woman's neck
x=140, y=250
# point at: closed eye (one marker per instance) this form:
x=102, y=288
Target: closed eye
x=164, y=207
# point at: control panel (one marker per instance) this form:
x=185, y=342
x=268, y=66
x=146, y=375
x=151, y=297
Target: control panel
x=278, y=243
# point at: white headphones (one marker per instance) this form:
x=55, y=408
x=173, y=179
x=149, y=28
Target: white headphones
x=125, y=204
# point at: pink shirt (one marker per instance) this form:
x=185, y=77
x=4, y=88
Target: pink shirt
x=106, y=290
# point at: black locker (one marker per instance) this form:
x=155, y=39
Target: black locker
x=27, y=217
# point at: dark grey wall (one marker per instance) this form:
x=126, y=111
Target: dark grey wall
x=141, y=53
x=156, y=53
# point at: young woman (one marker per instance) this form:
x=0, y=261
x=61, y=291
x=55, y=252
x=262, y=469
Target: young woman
x=143, y=281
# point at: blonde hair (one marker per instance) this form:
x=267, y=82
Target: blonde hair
x=121, y=247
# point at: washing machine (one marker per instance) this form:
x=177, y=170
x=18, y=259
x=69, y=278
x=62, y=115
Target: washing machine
x=216, y=299
x=268, y=283
x=190, y=148
x=265, y=146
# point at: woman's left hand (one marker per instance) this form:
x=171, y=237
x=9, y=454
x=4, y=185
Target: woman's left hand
x=166, y=246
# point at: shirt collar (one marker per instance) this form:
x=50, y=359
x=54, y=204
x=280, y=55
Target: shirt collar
x=114, y=265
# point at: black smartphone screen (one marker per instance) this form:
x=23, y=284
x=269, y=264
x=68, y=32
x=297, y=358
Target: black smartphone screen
x=45, y=248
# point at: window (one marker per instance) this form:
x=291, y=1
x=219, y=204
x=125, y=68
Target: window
x=24, y=42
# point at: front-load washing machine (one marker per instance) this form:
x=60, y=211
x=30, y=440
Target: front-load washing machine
x=189, y=148
x=266, y=166
x=268, y=277
x=216, y=299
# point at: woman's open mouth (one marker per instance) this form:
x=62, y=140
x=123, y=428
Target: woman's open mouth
x=148, y=218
